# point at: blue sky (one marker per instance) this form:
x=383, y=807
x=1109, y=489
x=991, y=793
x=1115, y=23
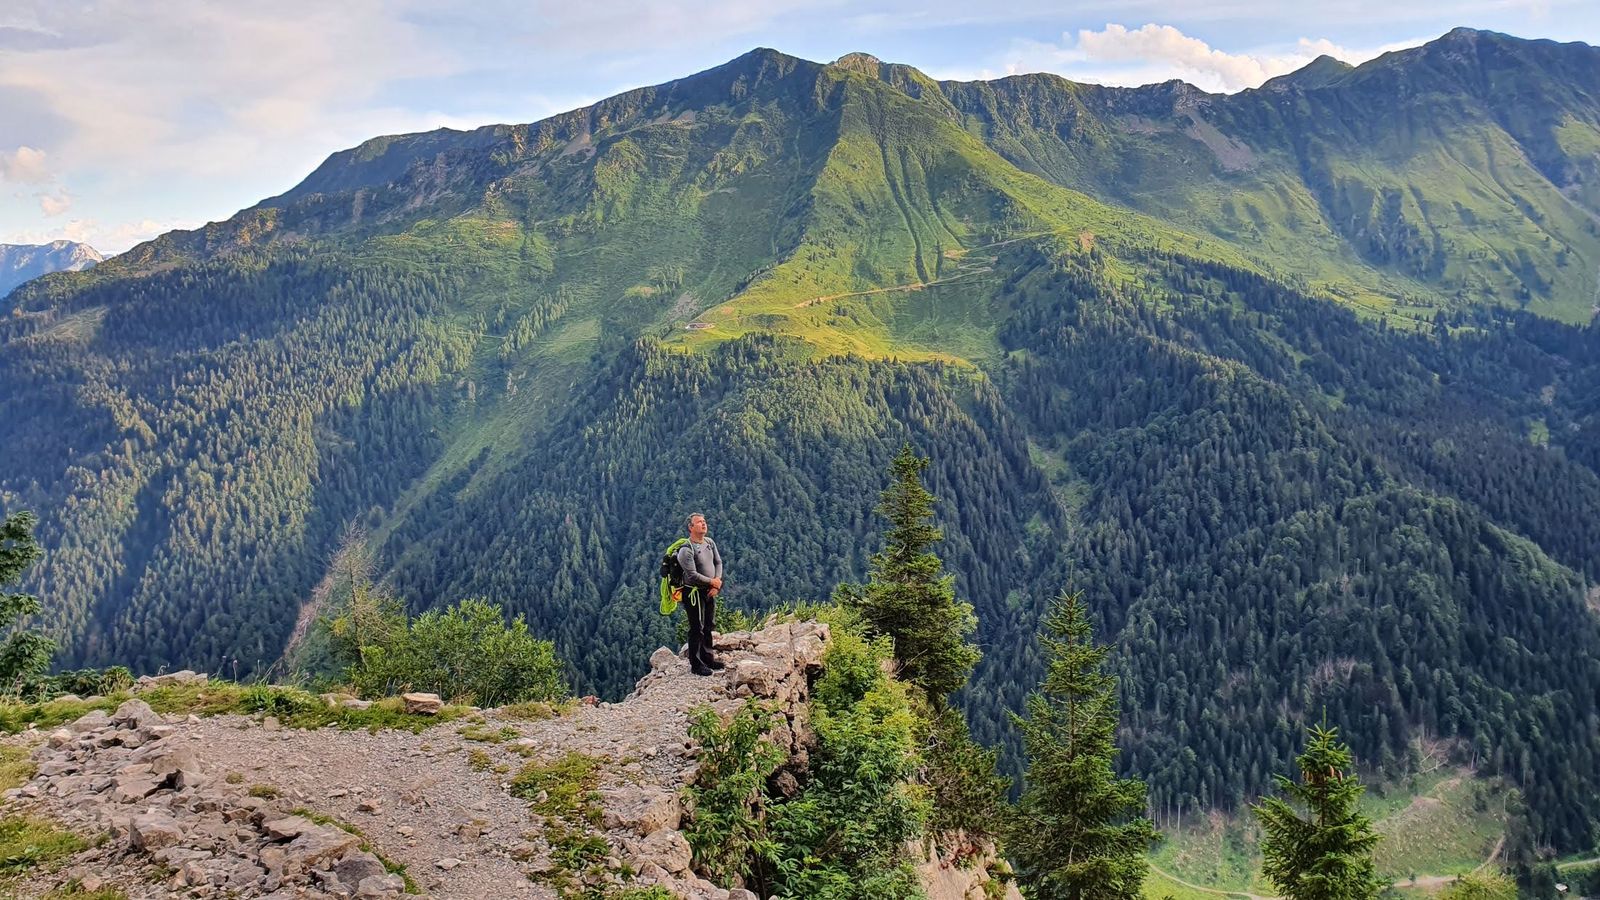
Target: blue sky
x=121, y=119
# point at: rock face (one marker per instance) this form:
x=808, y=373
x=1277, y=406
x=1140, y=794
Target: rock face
x=961, y=872
x=174, y=793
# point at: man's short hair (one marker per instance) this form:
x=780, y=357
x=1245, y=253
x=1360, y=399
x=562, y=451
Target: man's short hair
x=690, y=520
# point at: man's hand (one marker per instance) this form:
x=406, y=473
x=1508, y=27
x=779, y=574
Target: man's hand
x=716, y=584
x=715, y=591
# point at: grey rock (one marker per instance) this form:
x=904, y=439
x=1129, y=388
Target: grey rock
x=358, y=866
x=135, y=713
x=94, y=720
x=643, y=810
x=666, y=848
x=153, y=831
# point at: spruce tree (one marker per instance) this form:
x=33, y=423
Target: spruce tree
x=907, y=596
x=1326, y=854
x=1078, y=832
x=25, y=654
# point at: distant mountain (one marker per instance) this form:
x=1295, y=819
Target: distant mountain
x=1294, y=385
x=25, y=262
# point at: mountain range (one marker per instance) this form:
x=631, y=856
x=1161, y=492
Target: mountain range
x=1296, y=384
x=25, y=262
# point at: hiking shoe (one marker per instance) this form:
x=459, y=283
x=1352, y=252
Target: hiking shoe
x=697, y=668
x=711, y=662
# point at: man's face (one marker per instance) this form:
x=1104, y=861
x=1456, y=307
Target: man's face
x=697, y=527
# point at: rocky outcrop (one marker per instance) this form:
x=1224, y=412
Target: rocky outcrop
x=242, y=806
x=125, y=775
x=960, y=871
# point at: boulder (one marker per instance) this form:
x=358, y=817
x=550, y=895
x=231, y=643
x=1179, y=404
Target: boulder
x=663, y=658
x=423, y=704
x=287, y=828
x=378, y=887
x=135, y=714
x=755, y=676
x=315, y=846
x=642, y=810
x=667, y=848
x=358, y=866
x=133, y=788
x=153, y=831
x=94, y=720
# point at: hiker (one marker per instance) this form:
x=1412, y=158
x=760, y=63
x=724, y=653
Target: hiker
x=702, y=582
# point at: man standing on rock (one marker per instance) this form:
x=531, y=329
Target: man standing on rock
x=702, y=582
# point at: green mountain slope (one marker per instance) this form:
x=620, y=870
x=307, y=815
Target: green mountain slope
x=1460, y=172
x=475, y=346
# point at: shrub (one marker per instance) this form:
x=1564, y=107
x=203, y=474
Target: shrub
x=467, y=651
x=728, y=832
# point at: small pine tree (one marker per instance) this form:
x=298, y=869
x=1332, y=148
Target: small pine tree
x=907, y=596
x=1078, y=832
x=25, y=654
x=1327, y=853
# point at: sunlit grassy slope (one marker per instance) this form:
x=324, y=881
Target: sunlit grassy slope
x=1444, y=823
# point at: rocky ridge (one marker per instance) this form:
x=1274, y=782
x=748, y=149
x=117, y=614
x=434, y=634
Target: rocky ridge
x=20, y=263
x=242, y=806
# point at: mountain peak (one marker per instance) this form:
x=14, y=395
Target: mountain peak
x=864, y=63
x=1320, y=72
x=24, y=262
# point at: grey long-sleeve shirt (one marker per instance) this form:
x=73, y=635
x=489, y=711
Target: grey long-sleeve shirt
x=700, y=562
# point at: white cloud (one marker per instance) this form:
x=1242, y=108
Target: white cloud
x=25, y=165
x=1117, y=54
x=54, y=204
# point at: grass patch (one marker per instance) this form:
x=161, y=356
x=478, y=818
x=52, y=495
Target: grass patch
x=1444, y=822
x=389, y=865
x=17, y=717
x=1159, y=887
x=263, y=792
x=15, y=767
x=563, y=789
x=537, y=710
x=477, y=731
x=292, y=706
x=29, y=844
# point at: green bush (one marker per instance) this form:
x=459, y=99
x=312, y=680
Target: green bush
x=466, y=652
x=728, y=832
x=82, y=682
x=844, y=836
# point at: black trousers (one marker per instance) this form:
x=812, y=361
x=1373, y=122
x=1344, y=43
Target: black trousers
x=702, y=616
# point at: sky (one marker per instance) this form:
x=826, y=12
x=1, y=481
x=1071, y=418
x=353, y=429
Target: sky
x=124, y=119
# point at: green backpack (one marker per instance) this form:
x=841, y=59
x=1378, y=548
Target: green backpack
x=671, y=577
